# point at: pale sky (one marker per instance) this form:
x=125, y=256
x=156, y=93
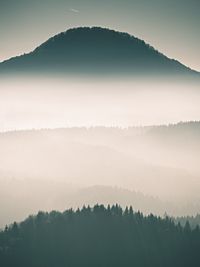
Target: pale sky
x=170, y=26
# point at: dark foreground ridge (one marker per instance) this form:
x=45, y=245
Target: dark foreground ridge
x=97, y=237
x=95, y=51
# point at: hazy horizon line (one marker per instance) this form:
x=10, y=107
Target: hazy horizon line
x=97, y=127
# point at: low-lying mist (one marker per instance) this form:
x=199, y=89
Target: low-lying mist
x=46, y=102
x=42, y=169
x=66, y=142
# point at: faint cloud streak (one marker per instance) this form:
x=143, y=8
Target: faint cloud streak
x=74, y=10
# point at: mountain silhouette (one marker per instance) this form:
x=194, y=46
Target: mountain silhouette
x=95, y=50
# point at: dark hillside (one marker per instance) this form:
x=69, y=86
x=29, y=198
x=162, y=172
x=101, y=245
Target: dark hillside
x=97, y=237
x=95, y=50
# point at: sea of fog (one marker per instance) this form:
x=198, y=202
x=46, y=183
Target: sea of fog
x=155, y=169
x=46, y=102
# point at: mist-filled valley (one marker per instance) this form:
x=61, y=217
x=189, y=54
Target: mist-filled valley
x=70, y=141
x=99, y=133
x=99, y=154
x=32, y=102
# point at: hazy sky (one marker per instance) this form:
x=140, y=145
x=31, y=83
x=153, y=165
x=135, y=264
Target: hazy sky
x=171, y=26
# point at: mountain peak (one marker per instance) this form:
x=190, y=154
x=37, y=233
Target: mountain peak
x=95, y=50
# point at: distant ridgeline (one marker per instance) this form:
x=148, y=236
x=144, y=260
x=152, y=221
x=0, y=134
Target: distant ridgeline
x=99, y=236
x=95, y=50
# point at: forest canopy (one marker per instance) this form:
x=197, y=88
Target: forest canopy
x=99, y=236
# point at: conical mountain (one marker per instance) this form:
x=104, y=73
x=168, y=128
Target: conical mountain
x=95, y=50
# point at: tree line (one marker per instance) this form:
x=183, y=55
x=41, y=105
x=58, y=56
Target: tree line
x=97, y=237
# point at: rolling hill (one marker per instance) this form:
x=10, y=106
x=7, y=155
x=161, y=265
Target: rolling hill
x=99, y=236
x=95, y=51
x=70, y=167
